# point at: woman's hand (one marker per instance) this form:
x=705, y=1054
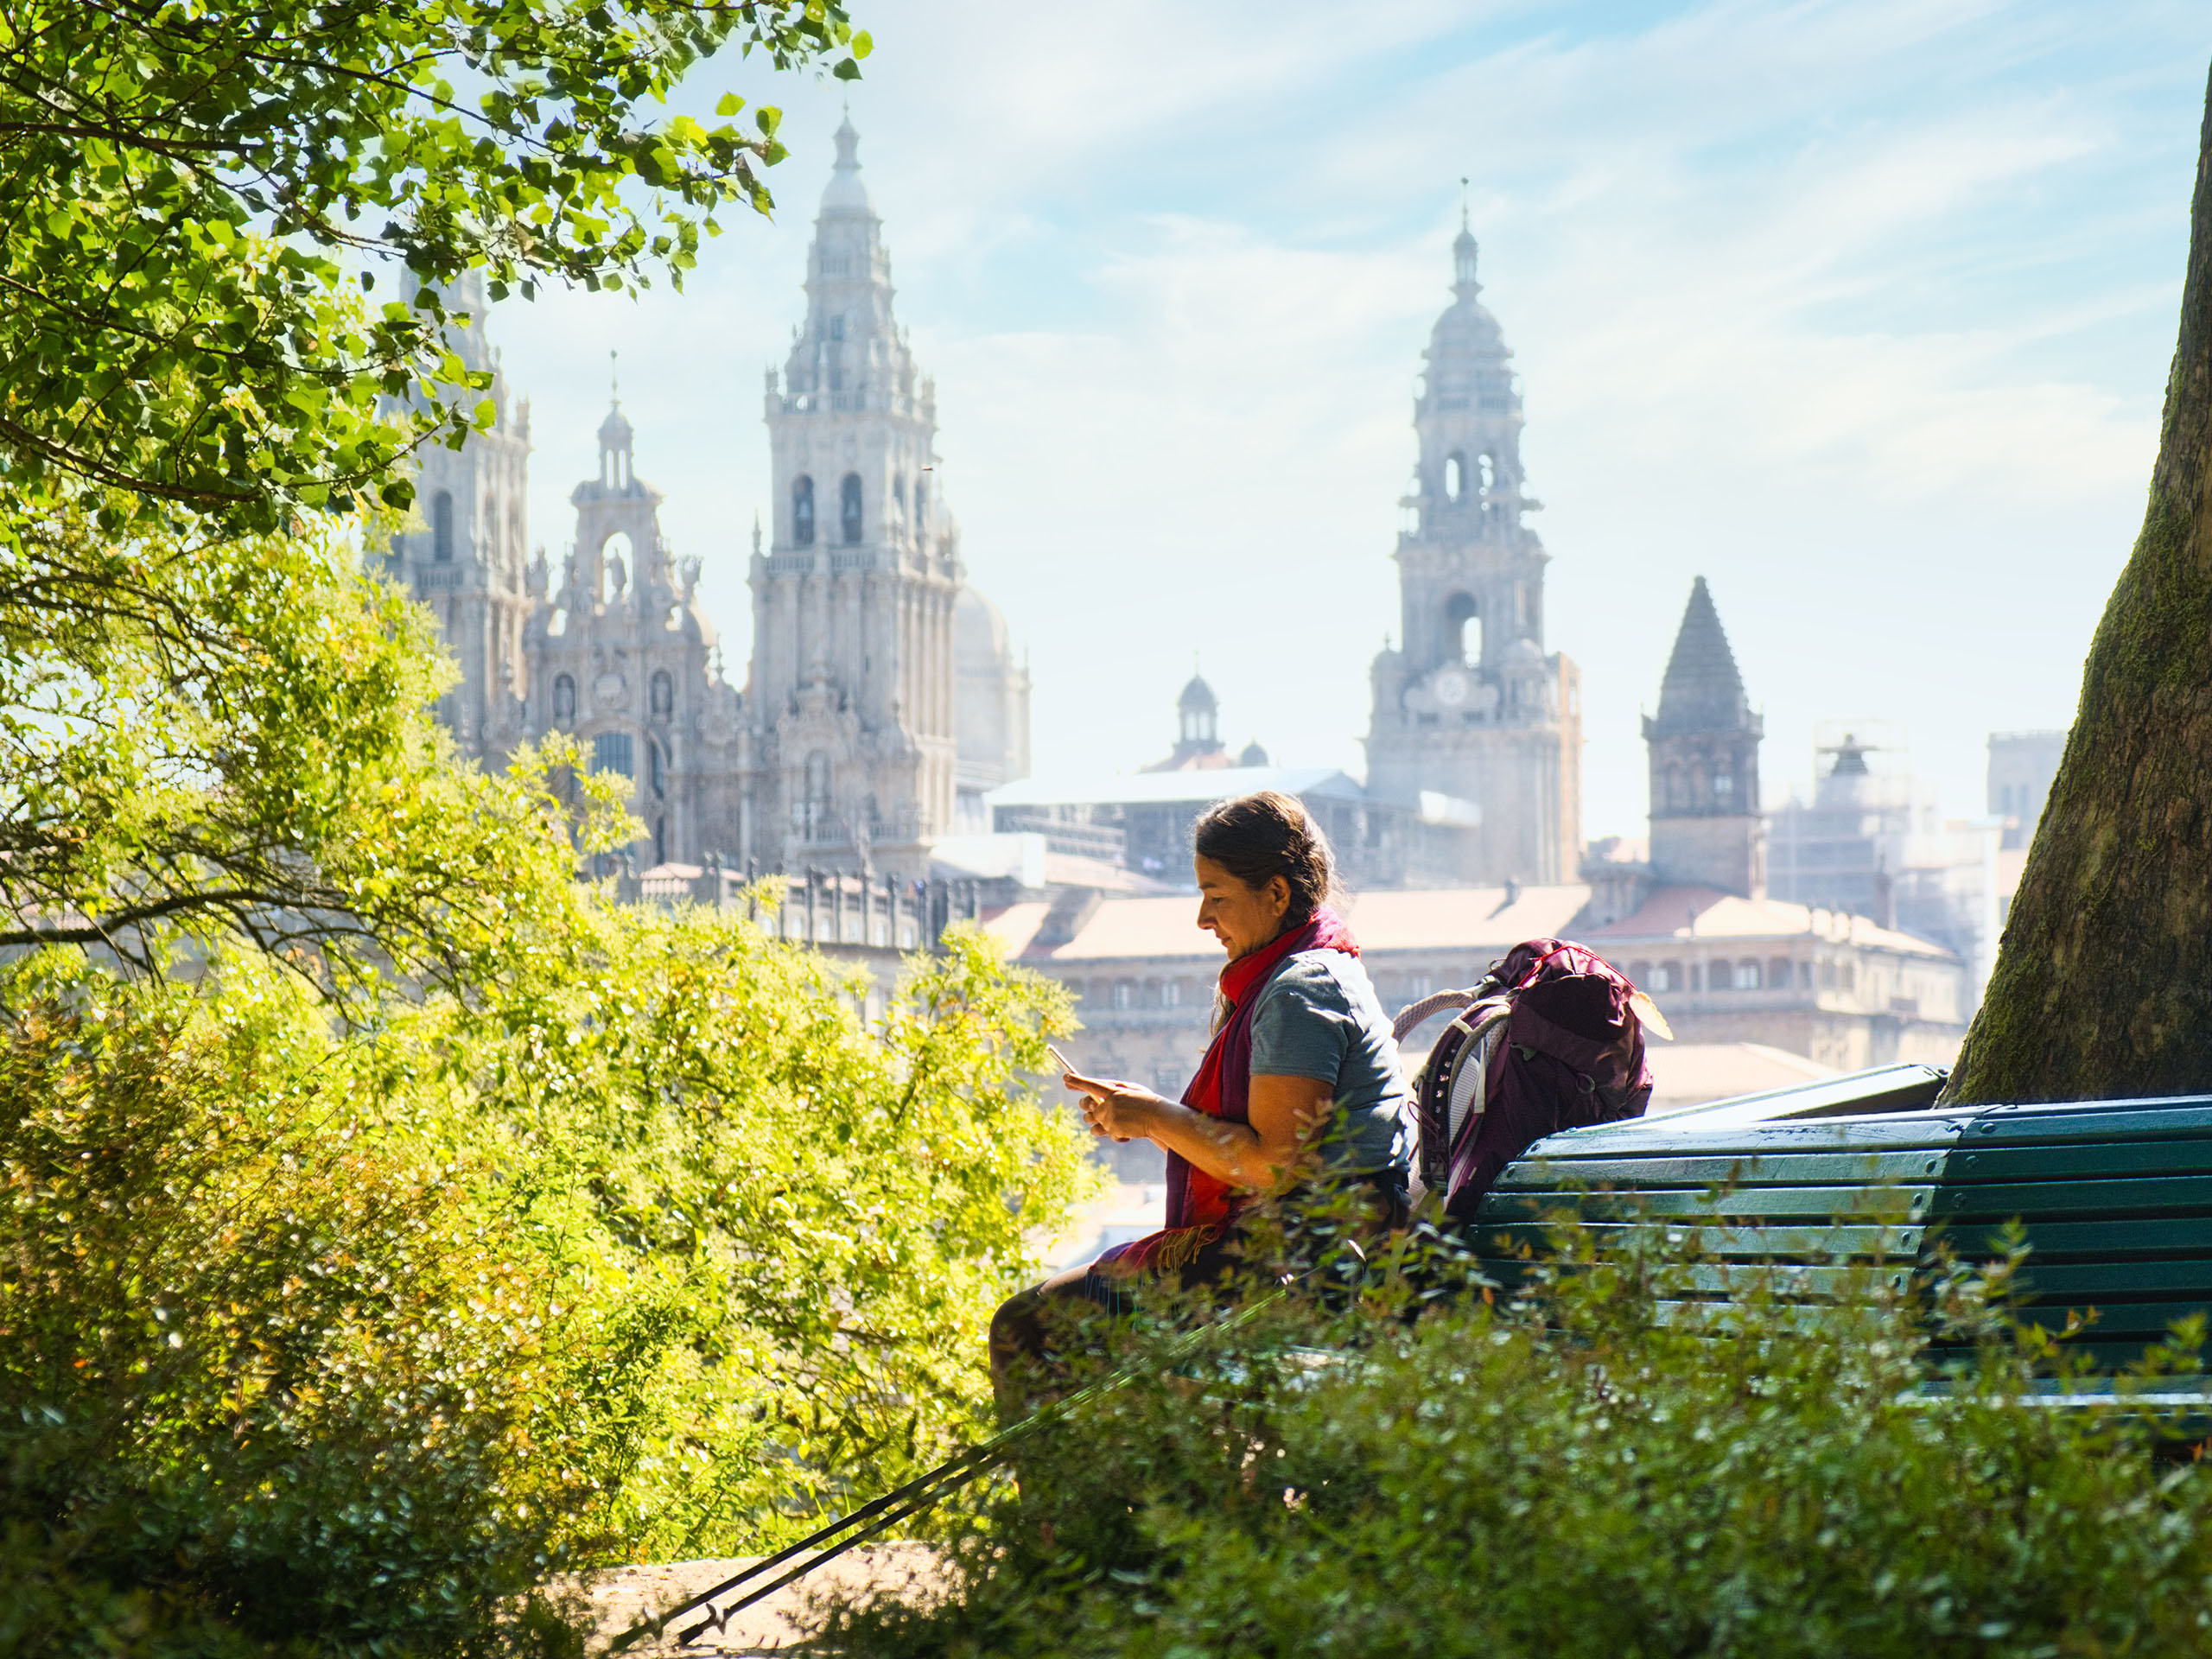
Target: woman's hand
x=1119, y=1110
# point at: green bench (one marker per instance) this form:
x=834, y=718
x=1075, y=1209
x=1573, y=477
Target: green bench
x=1799, y=1186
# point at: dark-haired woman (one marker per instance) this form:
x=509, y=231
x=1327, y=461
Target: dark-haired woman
x=1300, y=1088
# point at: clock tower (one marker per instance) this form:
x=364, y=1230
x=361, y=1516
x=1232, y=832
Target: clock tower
x=1470, y=705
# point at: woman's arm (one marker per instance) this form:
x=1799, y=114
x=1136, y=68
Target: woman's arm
x=1258, y=1155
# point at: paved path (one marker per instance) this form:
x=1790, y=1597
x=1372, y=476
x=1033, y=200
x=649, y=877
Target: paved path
x=625, y=1595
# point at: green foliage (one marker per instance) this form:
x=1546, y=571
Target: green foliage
x=184, y=179
x=1601, y=1469
x=353, y=1341
x=224, y=736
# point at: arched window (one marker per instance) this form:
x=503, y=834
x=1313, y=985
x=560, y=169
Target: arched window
x=656, y=768
x=813, y=807
x=441, y=527
x=1485, y=475
x=1724, y=788
x=614, y=752
x=1455, y=476
x=1458, y=612
x=921, y=503
x=660, y=838
x=564, y=698
x=663, y=695
x=802, y=512
x=615, y=558
x=849, y=508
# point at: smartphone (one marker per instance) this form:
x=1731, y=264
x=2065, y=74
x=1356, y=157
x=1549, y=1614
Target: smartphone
x=1058, y=1058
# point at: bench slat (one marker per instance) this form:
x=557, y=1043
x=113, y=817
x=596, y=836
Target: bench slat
x=1785, y=1169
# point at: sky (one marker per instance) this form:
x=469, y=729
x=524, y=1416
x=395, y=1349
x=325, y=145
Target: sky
x=1862, y=309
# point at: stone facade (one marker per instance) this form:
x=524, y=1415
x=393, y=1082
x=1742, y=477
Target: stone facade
x=882, y=690
x=1469, y=705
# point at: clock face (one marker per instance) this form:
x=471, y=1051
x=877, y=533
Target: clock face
x=1450, y=687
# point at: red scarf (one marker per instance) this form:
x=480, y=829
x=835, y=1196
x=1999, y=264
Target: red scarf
x=1198, y=1204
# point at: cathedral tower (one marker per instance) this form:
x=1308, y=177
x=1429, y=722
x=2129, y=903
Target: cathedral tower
x=1706, y=826
x=624, y=659
x=1470, y=705
x=467, y=561
x=853, y=680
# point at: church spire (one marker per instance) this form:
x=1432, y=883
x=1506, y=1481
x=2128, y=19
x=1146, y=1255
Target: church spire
x=1702, y=690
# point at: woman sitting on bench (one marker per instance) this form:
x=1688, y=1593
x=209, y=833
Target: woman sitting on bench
x=1300, y=1088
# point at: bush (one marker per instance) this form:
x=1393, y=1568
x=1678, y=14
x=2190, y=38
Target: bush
x=350, y=1336
x=1598, y=1470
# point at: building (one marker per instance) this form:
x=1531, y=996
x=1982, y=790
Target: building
x=883, y=699
x=2022, y=766
x=1143, y=820
x=1469, y=706
x=1705, y=923
x=1873, y=841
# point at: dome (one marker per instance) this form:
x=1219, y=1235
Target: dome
x=1198, y=697
x=614, y=432
x=845, y=192
x=980, y=643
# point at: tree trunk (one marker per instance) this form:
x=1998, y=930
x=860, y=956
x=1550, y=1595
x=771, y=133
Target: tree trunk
x=2103, y=983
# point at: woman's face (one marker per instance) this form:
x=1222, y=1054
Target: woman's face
x=1244, y=919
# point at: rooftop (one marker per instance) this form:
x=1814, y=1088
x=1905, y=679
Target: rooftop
x=1395, y=919
x=1166, y=788
x=1709, y=913
x=1702, y=690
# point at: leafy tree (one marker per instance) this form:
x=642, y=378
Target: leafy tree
x=206, y=722
x=2103, y=983
x=184, y=177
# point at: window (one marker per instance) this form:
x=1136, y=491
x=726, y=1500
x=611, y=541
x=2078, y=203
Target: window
x=1778, y=974
x=1724, y=787
x=1639, y=974
x=614, y=752
x=1458, y=612
x=849, y=508
x=1167, y=1080
x=921, y=503
x=802, y=512
x=1486, y=476
x=1125, y=994
x=663, y=694
x=656, y=769
x=837, y=327
x=1667, y=976
x=1171, y=995
x=441, y=527
x=898, y=490
x=1422, y=986
x=1747, y=976
x=1455, y=477
x=564, y=698
x=814, y=808
x=660, y=829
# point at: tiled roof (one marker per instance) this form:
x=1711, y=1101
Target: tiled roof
x=1423, y=919
x=1161, y=788
x=1707, y=913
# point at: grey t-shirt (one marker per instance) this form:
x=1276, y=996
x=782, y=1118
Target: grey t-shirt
x=1317, y=1017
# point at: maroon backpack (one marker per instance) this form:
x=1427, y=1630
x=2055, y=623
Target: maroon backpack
x=1553, y=1039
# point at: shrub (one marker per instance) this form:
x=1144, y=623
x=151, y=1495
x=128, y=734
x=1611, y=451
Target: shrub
x=349, y=1336
x=1601, y=1469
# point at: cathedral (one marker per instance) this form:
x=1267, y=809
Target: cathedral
x=883, y=700
x=1469, y=706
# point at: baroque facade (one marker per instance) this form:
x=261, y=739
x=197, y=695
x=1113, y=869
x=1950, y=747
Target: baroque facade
x=883, y=693
x=1469, y=705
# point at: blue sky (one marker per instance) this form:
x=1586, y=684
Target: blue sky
x=1862, y=310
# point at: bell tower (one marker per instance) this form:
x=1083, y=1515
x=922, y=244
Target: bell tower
x=1470, y=705
x=853, y=599
x=1706, y=829
x=468, y=562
